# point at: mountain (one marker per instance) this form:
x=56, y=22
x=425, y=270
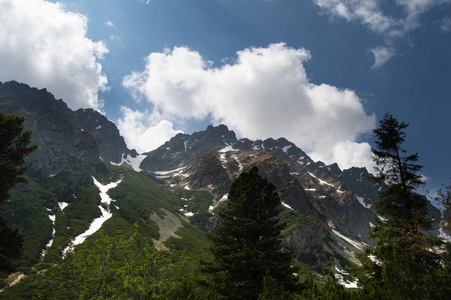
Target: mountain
x=174, y=192
x=327, y=205
x=62, y=146
x=111, y=144
x=66, y=140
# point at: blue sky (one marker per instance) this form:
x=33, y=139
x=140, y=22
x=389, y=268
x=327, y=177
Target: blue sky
x=319, y=72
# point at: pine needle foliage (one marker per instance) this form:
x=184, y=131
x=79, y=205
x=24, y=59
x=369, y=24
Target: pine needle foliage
x=247, y=244
x=14, y=146
x=404, y=263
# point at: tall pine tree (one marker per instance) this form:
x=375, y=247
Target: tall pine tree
x=247, y=243
x=14, y=146
x=403, y=264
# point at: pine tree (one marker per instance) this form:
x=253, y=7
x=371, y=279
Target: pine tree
x=14, y=146
x=403, y=263
x=247, y=243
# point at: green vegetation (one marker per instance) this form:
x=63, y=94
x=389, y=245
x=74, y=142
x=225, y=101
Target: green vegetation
x=113, y=267
x=405, y=263
x=292, y=219
x=241, y=259
x=14, y=147
x=247, y=243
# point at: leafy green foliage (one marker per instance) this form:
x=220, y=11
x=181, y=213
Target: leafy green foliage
x=247, y=243
x=126, y=267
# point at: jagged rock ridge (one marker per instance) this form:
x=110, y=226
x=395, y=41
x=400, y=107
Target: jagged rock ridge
x=66, y=140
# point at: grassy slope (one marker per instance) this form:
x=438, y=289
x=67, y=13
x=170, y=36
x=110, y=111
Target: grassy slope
x=137, y=196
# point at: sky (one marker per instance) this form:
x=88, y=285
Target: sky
x=321, y=73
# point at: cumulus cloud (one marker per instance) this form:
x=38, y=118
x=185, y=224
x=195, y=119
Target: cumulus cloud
x=265, y=93
x=371, y=15
x=43, y=45
x=144, y=131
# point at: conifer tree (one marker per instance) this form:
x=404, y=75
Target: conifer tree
x=247, y=243
x=14, y=146
x=403, y=263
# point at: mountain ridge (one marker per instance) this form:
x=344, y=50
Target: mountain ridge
x=321, y=204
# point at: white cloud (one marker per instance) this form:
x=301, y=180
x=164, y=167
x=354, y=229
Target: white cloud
x=266, y=93
x=45, y=46
x=370, y=14
x=367, y=12
x=109, y=24
x=446, y=24
x=143, y=131
x=381, y=55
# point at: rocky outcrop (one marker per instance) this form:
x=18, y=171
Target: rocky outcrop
x=308, y=245
x=111, y=145
x=183, y=149
x=62, y=146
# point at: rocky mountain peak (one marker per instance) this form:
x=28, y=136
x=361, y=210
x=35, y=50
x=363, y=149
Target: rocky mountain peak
x=62, y=146
x=182, y=149
x=111, y=144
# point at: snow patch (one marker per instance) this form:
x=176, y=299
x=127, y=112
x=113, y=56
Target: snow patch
x=174, y=172
x=240, y=166
x=222, y=158
x=216, y=203
x=96, y=224
x=228, y=148
x=340, y=277
x=322, y=182
x=52, y=218
x=285, y=149
x=62, y=205
x=362, y=201
x=353, y=243
x=381, y=218
x=50, y=242
x=287, y=206
x=134, y=162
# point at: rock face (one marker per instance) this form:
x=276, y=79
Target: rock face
x=183, y=149
x=111, y=144
x=66, y=140
x=327, y=199
x=62, y=146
